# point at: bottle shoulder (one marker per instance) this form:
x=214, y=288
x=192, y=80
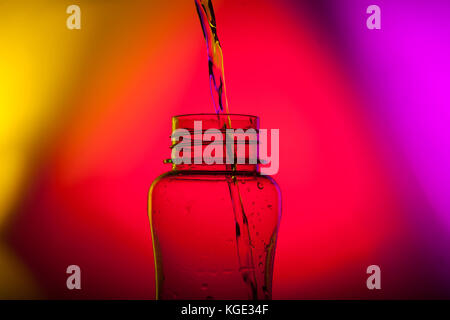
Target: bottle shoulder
x=218, y=174
x=241, y=176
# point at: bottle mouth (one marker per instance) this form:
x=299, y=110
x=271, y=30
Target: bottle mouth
x=200, y=116
x=216, y=121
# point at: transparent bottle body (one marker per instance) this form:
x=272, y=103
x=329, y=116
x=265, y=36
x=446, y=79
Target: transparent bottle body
x=195, y=234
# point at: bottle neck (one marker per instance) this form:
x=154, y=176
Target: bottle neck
x=207, y=143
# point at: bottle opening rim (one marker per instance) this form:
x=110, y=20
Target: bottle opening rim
x=211, y=115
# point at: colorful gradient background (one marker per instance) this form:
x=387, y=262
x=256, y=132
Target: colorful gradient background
x=363, y=115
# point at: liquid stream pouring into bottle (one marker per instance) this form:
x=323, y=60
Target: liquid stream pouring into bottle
x=219, y=95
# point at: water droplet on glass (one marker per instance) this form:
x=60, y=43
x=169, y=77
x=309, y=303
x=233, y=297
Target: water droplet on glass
x=260, y=186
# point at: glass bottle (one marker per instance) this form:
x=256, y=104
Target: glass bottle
x=204, y=246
